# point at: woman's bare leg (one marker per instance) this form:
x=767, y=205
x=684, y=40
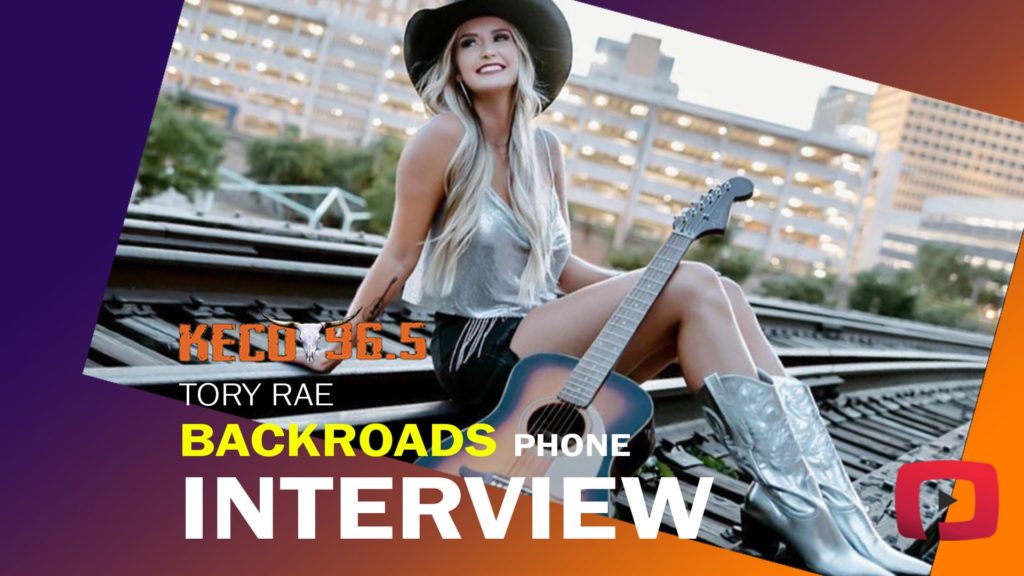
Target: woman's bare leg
x=757, y=343
x=760, y=348
x=693, y=313
x=654, y=364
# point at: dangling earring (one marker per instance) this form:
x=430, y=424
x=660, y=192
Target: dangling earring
x=465, y=93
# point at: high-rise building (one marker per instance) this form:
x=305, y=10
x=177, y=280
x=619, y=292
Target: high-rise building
x=947, y=150
x=637, y=62
x=930, y=150
x=841, y=110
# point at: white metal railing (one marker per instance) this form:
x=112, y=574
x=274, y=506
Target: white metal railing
x=351, y=208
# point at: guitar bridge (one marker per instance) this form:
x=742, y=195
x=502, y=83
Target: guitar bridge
x=491, y=479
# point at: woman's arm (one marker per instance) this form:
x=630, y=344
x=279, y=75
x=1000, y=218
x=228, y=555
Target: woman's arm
x=578, y=273
x=419, y=190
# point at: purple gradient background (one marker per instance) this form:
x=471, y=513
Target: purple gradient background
x=91, y=479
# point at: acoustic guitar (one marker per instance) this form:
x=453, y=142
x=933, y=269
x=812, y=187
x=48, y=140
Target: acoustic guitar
x=556, y=394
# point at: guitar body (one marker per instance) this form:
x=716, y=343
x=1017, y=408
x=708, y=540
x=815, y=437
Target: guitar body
x=530, y=405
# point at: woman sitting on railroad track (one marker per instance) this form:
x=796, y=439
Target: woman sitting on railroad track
x=480, y=235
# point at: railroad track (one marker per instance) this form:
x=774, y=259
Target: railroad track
x=891, y=390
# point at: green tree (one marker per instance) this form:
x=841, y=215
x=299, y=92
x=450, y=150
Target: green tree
x=884, y=292
x=737, y=263
x=380, y=193
x=630, y=257
x=988, y=297
x=943, y=272
x=941, y=289
x=799, y=288
x=368, y=172
x=954, y=314
x=353, y=167
x=709, y=248
x=719, y=252
x=988, y=287
x=182, y=150
x=289, y=160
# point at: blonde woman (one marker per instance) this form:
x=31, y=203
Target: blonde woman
x=480, y=235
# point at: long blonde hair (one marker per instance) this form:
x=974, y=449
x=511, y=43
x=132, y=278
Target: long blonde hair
x=471, y=170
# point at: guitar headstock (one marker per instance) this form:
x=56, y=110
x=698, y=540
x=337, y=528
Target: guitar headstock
x=709, y=214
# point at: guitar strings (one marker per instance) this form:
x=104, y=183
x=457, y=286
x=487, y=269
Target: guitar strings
x=542, y=420
x=520, y=463
x=555, y=418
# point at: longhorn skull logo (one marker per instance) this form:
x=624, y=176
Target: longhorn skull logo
x=309, y=332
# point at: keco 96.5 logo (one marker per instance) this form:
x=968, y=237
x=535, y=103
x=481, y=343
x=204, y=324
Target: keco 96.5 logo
x=279, y=341
x=986, y=497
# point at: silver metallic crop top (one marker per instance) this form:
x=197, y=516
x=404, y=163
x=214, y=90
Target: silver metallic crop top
x=490, y=268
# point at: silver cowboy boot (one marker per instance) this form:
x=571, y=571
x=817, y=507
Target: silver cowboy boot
x=833, y=481
x=784, y=503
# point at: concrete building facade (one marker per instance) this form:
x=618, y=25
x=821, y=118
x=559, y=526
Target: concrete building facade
x=947, y=150
x=987, y=232
x=637, y=154
x=841, y=111
x=939, y=162
x=323, y=68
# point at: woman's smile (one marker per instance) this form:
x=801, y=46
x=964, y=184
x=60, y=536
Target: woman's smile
x=490, y=68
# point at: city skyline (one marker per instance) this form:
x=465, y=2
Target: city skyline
x=637, y=148
x=786, y=91
x=635, y=153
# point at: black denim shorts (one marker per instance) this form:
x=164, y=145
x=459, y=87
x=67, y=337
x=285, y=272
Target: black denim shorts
x=472, y=358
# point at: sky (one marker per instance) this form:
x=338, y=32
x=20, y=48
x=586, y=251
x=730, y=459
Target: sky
x=713, y=73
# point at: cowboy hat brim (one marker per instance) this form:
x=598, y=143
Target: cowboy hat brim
x=540, y=22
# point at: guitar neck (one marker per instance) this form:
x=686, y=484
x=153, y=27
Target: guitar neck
x=599, y=360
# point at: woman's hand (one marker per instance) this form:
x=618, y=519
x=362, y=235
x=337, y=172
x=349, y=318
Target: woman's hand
x=320, y=362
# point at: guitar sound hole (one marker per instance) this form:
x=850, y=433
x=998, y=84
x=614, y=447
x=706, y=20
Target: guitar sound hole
x=559, y=419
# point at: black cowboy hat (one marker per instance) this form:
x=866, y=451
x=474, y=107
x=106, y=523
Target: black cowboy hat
x=539, y=21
